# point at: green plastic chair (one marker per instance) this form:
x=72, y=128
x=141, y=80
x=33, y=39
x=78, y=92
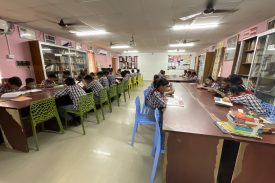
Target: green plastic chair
x=126, y=89
x=42, y=111
x=86, y=104
x=120, y=90
x=130, y=84
x=112, y=93
x=103, y=98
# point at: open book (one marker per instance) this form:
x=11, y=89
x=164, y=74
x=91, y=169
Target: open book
x=219, y=101
x=13, y=94
x=175, y=101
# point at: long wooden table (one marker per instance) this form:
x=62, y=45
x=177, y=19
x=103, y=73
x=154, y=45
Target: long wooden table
x=177, y=79
x=197, y=151
x=12, y=122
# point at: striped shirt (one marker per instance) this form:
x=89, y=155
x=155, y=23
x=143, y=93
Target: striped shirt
x=104, y=81
x=74, y=92
x=111, y=79
x=94, y=86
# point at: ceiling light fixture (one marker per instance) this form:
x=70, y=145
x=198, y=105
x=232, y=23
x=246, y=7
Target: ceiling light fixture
x=175, y=51
x=181, y=45
x=89, y=33
x=195, y=26
x=120, y=46
x=131, y=51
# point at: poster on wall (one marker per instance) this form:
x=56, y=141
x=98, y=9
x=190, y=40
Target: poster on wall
x=128, y=62
x=179, y=62
x=27, y=33
x=231, y=48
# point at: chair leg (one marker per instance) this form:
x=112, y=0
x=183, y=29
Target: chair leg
x=82, y=124
x=96, y=115
x=129, y=93
x=124, y=96
x=102, y=110
x=154, y=144
x=134, y=132
x=35, y=139
x=66, y=120
x=155, y=164
x=61, y=130
x=110, y=105
x=117, y=98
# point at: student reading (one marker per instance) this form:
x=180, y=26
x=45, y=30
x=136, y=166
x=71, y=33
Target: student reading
x=13, y=84
x=92, y=85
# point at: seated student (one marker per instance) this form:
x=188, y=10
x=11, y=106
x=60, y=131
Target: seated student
x=209, y=83
x=188, y=75
x=250, y=101
x=223, y=89
x=50, y=82
x=92, y=85
x=194, y=76
x=162, y=73
x=132, y=74
x=111, y=78
x=118, y=73
x=79, y=79
x=237, y=80
x=30, y=84
x=74, y=91
x=185, y=73
x=125, y=75
x=138, y=72
x=103, y=79
x=13, y=84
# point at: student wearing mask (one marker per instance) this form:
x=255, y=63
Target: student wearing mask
x=74, y=91
x=50, y=82
x=30, y=84
x=92, y=85
x=13, y=84
x=240, y=96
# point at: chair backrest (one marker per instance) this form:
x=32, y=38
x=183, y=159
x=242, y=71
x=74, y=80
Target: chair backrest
x=120, y=88
x=86, y=103
x=270, y=110
x=103, y=95
x=135, y=79
x=129, y=81
x=137, y=105
x=145, y=93
x=43, y=110
x=112, y=91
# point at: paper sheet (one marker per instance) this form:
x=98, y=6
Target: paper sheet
x=21, y=99
x=175, y=102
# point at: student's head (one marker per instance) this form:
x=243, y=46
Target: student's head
x=161, y=84
x=30, y=83
x=15, y=82
x=105, y=73
x=162, y=72
x=51, y=76
x=99, y=74
x=69, y=81
x=128, y=72
x=194, y=73
x=185, y=71
x=209, y=80
x=119, y=71
x=66, y=74
x=111, y=70
x=123, y=73
x=236, y=90
x=235, y=80
x=133, y=71
x=224, y=84
x=88, y=79
x=138, y=70
x=188, y=73
x=156, y=77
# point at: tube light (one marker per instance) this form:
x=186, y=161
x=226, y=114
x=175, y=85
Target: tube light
x=46, y=49
x=120, y=46
x=175, y=51
x=195, y=26
x=181, y=45
x=89, y=33
x=131, y=51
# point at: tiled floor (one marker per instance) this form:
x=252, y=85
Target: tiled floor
x=103, y=155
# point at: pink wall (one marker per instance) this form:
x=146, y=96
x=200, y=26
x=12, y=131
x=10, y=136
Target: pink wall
x=106, y=60
x=20, y=49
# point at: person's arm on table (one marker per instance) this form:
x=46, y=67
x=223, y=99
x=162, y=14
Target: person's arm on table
x=61, y=93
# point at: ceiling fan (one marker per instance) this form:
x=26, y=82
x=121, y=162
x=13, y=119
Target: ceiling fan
x=185, y=41
x=209, y=9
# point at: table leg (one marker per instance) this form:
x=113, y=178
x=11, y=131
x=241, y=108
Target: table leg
x=12, y=130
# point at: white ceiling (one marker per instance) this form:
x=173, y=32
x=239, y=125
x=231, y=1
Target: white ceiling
x=148, y=20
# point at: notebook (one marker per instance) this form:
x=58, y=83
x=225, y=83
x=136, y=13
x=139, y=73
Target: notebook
x=175, y=102
x=13, y=94
x=219, y=101
x=21, y=99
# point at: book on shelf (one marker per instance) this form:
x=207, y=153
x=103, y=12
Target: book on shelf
x=219, y=101
x=249, y=58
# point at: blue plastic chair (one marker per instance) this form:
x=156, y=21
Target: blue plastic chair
x=145, y=108
x=157, y=142
x=140, y=119
x=270, y=110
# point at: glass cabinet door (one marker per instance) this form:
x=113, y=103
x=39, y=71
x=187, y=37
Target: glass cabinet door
x=256, y=63
x=265, y=89
x=78, y=62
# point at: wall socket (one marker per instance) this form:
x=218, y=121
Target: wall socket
x=11, y=56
